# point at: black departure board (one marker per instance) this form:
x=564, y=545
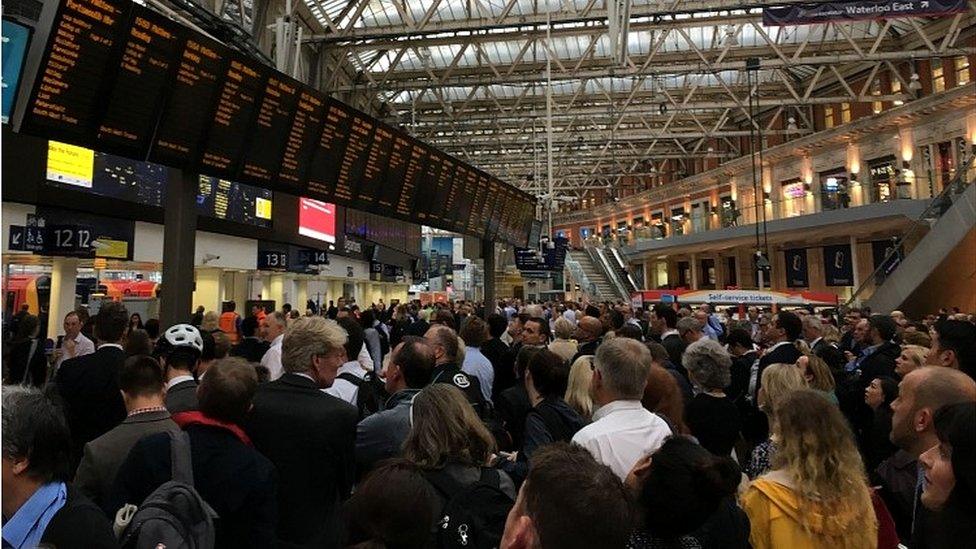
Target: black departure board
x=416, y=166
x=354, y=159
x=189, y=108
x=69, y=78
x=269, y=135
x=150, y=51
x=377, y=161
x=241, y=91
x=303, y=135
x=396, y=170
x=119, y=77
x=323, y=170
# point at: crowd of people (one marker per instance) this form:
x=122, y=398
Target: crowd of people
x=526, y=425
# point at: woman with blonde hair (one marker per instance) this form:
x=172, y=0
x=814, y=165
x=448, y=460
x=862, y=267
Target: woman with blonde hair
x=778, y=382
x=911, y=358
x=564, y=345
x=817, y=375
x=450, y=442
x=578, y=388
x=817, y=494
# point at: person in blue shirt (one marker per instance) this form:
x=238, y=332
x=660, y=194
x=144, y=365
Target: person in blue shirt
x=39, y=508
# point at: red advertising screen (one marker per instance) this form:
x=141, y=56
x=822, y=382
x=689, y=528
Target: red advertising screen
x=316, y=219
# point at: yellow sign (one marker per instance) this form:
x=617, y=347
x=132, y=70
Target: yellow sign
x=100, y=263
x=262, y=208
x=70, y=164
x=115, y=249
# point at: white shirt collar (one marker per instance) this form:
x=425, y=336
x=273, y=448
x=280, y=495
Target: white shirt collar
x=780, y=344
x=277, y=341
x=303, y=374
x=116, y=345
x=178, y=379
x=616, y=406
x=815, y=341
x=669, y=332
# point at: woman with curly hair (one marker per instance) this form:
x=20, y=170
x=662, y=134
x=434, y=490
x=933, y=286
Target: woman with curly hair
x=816, y=494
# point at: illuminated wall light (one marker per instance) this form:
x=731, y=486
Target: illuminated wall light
x=907, y=144
x=971, y=128
x=853, y=159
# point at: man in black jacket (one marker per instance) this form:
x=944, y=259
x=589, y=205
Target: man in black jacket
x=89, y=384
x=308, y=434
x=228, y=473
x=666, y=322
x=589, y=333
x=876, y=359
x=498, y=353
x=444, y=342
x=36, y=456
x=251, y=348
x=780, y=337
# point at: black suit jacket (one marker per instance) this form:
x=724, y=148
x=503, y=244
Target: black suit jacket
x=310, y=437
x=502, y=362
x=79, y=524
x=786, y=354
x=251, y=349
x=418, y=328
x=89, y=387
x=182, y=397
x=675, y=347
x=18, y=367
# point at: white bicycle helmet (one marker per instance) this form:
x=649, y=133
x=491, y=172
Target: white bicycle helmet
x=184, y=335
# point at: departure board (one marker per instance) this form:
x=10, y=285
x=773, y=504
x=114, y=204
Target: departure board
x=323, y=170
x=189, y=108
x=123, y=78
x=70, y=78
x=416, y=166
x=150, y=50
x=241, y=91
x=376, y=164
x=354, y=159
x=269, y=135
x=303, y=135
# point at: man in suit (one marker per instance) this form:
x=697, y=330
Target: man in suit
x=780, y=336
x=179, y=350
x=498, y=353
x=589, y=333
x=251, y=348
x=876, y=359
x=308, y=435
x=141, y=381
x=666, y=322
x=444, y=342
x=813, y=333
x=89, y=384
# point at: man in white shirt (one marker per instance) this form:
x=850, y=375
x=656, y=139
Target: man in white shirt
x=74, y=342
x=475, y=334
x=813, y=332
x=344, y=387
x=623, y=431
x=273, y=330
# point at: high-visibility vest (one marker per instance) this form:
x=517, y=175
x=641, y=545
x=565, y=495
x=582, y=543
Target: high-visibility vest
x=228, y=325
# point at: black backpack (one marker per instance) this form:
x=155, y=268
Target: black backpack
x=473, y=516
x=174, y=515
x=370, y=395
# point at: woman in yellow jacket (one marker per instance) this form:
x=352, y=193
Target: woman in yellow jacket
x=816, y=495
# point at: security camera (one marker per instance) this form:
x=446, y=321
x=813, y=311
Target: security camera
x=207, y=258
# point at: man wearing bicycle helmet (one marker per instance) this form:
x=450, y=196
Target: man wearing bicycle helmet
x=179, y=351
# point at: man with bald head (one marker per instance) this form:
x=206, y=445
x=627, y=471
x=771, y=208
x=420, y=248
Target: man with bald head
x=589, y=333
x=443, y=342
x=920, y=395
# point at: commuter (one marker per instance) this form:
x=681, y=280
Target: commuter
x=272, y=331
x=818, y=376
x=374, y=337
x=589, y=334
x=877, y=445
x=216, y=346
x=345, y=386
x=26, y=364
x=228, y=473
x=137, y=343
x=143, y=390
x=912, y=357
x=949, y=483
x=152, y=330
x=779, y=382
x=393, y=507
x=307, y=434
x=550, y=419
x=499, y=354
x=564, y=345
x=954, y=345
x=687, y=499
x=211, y=322
x=444, y=341
x=250, y=347
x=381, y=435
x=197, y=319
x=475, y=334
x=781, y=333
x=920, y=395
x=179, y=352
x=74, y=343
x=569, y=501
x=39, y=508
x=89, y=385
x=230, y=322
x=664, y=397
x=741, y=348
x=690, y=330
x=816, y=494
x=813, y=331
x=135, y=322
x=577, y=394
x=513, y=404
x=711, y=415
x=622, y=431
x=876, y=359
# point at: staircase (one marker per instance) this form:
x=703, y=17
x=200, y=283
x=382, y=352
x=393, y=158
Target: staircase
x=950, y=218
x=596, y=276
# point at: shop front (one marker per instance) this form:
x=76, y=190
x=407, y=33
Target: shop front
x=834, y=189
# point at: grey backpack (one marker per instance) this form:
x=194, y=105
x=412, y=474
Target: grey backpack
x=174, y=516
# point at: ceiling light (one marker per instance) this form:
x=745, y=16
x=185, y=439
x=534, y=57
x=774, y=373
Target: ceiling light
x=730, y=38
x=914, y=83
x=791, y=126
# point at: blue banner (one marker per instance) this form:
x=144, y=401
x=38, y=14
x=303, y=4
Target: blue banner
x=797, y=274
x=838, y=265
x=809, y=14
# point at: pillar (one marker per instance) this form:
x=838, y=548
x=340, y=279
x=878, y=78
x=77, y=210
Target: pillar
x=488, y=254
x=276, y=290
x=301, y=295
x=64, y=278
x=179, y=243
x=855, y=267
x=208, y=288
x=694, y=271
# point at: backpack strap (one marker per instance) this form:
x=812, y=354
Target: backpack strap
x=351, y=378
x=490, y=477
x=182, y=463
